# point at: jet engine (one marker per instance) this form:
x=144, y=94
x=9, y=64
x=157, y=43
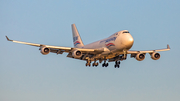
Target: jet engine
x=45, y=50
x=77, y=54
x=140, y=56
x=155, y=56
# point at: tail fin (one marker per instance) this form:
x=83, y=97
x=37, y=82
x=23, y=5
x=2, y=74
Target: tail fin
x=76, y=37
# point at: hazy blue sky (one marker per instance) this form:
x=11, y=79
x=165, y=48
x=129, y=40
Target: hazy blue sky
x=27, y=75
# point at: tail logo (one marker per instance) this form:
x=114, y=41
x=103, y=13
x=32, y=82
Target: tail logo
x=77, y=42
x=109, y=45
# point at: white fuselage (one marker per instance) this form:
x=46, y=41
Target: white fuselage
x=119, y=41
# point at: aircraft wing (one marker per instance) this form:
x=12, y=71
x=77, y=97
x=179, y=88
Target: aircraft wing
x=57, y=49
x=148, y=51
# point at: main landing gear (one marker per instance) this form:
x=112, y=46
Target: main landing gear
x=105, y=64
x=117, y=63
x=88, y=64
x=94, y=64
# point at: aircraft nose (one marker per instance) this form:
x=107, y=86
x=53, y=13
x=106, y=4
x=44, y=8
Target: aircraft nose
x=128, y=42
x=131, y=40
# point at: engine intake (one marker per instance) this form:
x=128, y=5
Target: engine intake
x=45, y=50
x=77, y=54
x=140, y=56
x=155, y=56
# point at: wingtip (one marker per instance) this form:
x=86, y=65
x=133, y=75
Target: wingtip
x=168, y=46
x=73, y=24
x=8, y=39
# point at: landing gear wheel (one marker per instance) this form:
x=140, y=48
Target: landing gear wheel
x=88, y=64
x=96, y=64
x=106, y=64
x=118, y=66
x=93, y=64
x=117, y=63
x=103, y=65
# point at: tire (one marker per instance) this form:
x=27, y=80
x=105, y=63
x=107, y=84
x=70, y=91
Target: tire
x=97, y=64
x=103, y=65
x=107, y=64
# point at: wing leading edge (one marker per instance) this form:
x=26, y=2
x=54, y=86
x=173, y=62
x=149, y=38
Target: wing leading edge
x=148, y=51
x=56, y=48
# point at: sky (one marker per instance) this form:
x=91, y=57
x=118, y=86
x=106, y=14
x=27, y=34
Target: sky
x=27, y=75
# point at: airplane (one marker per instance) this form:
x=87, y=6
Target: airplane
x=112, y=49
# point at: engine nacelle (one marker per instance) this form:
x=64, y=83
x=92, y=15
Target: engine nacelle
x=155, y=56
x=45, y=50
x=140, y=56
x=77, y=54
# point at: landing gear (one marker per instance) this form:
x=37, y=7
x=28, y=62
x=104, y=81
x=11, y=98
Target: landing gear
x=95, y=64
x=117, y=63
x=105, y=64
x=88, y=63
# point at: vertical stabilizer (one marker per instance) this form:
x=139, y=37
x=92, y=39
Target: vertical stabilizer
x=76, y=37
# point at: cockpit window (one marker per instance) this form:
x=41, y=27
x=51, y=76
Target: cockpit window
x=126, y=32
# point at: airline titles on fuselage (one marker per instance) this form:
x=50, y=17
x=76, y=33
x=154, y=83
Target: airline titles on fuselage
x=109, y=39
